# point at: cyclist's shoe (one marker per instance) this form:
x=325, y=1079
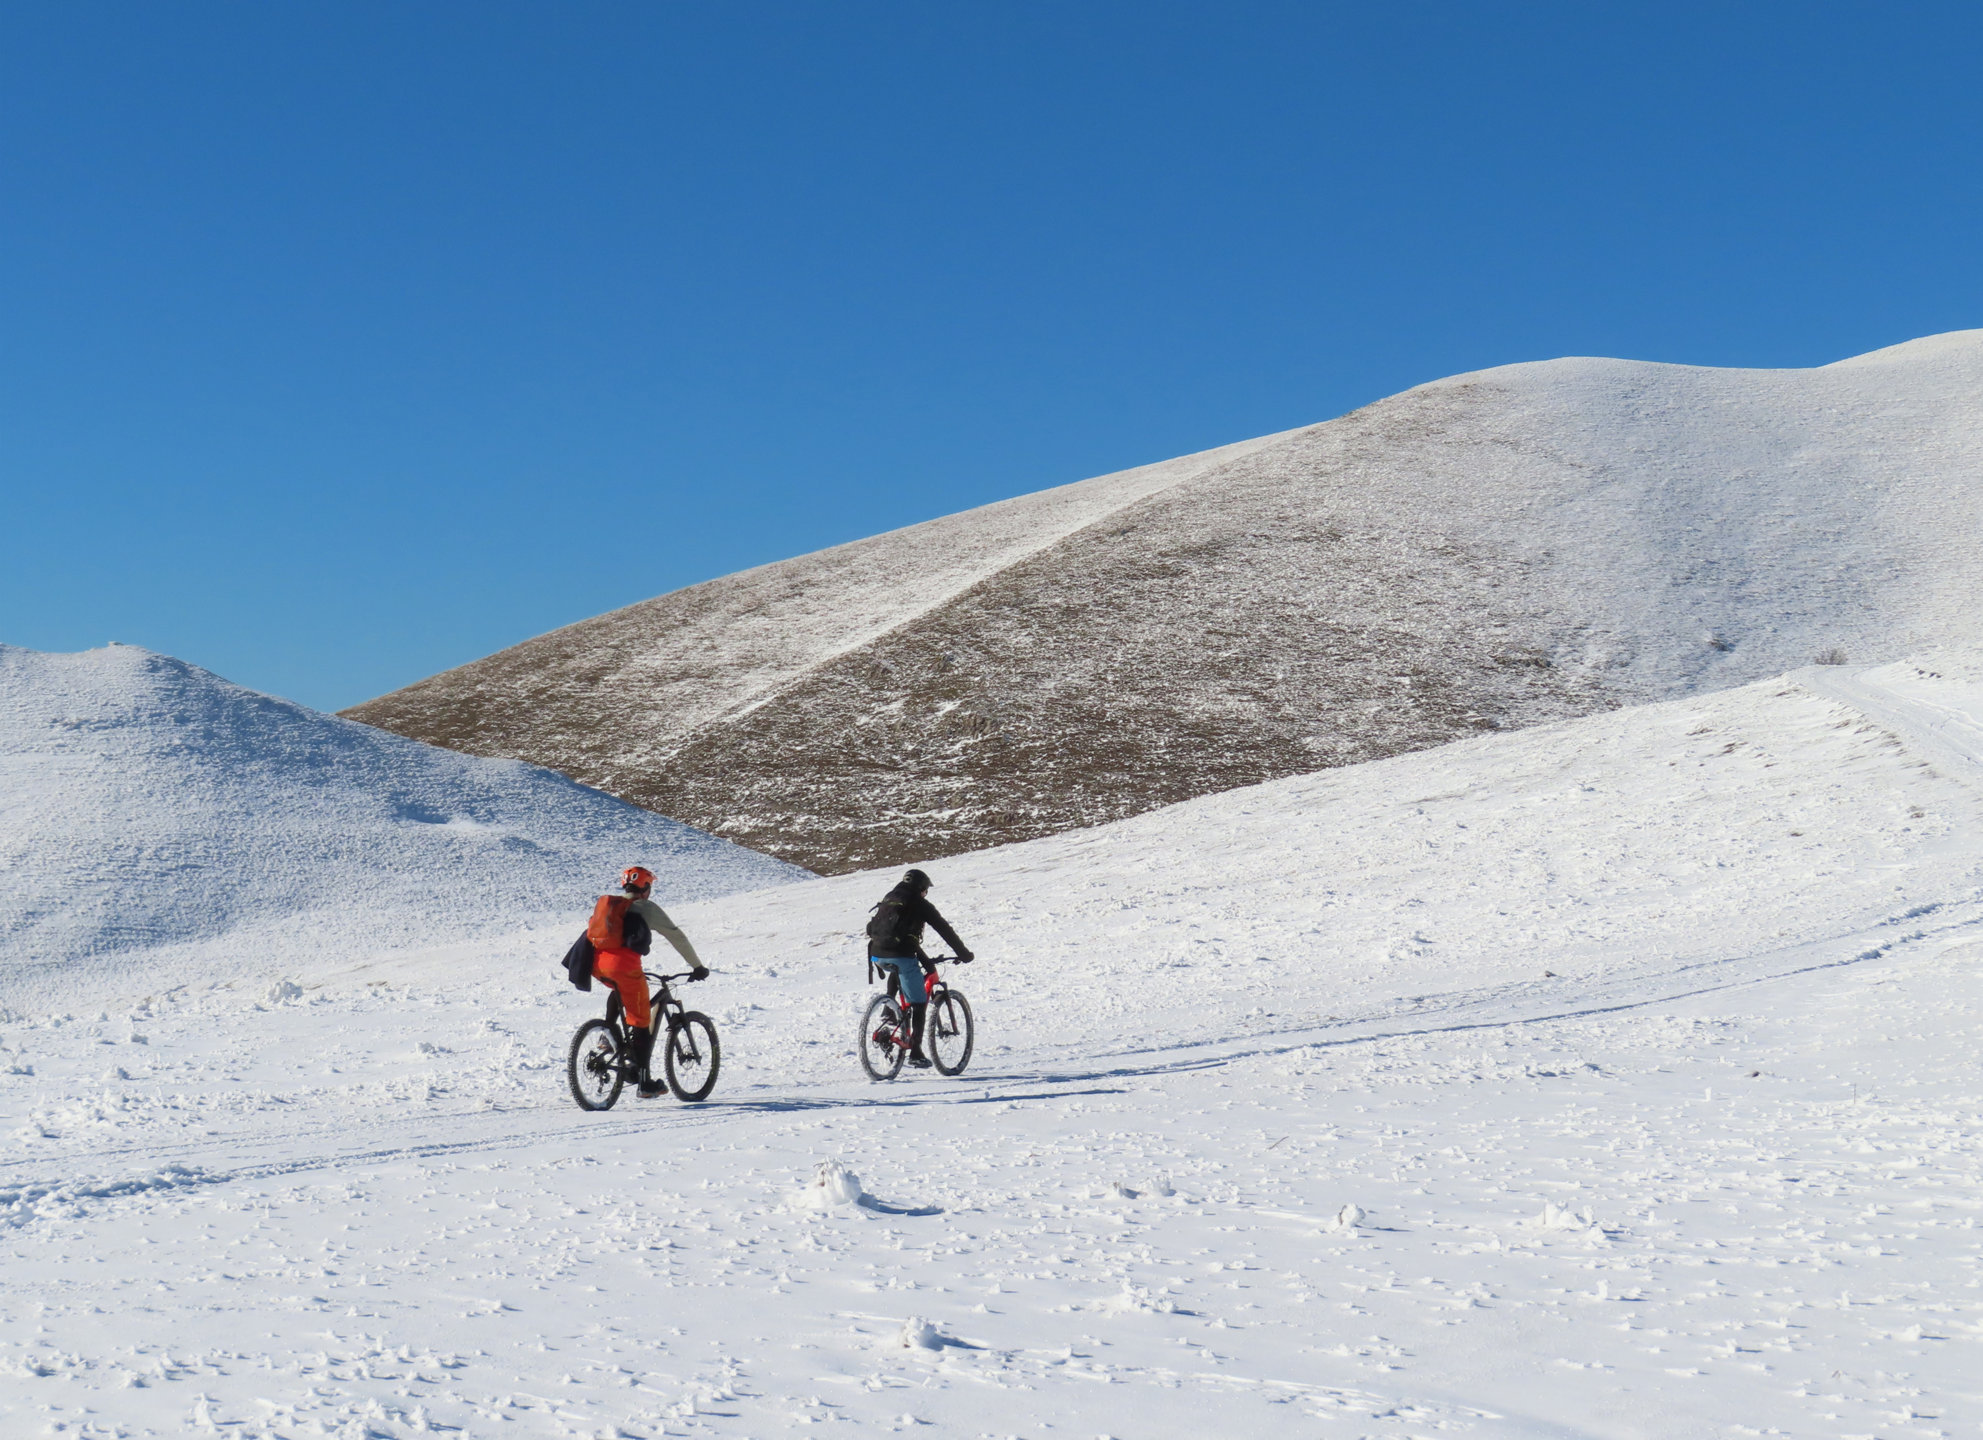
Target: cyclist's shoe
x=918, y=1059
x=650, y=1088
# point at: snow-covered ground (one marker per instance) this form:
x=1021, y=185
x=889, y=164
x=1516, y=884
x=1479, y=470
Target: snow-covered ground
x=150, y=809
x=1613, y=1078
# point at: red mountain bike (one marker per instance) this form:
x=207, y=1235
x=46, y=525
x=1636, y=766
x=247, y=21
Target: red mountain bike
x=947, y=1030
x=600, y=1063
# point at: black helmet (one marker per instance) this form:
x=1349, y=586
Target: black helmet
x=917, y=879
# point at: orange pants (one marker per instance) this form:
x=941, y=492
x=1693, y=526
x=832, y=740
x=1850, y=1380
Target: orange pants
x=621, y=970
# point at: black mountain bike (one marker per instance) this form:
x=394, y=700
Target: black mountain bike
x=601, y=1062
x=947, y=1030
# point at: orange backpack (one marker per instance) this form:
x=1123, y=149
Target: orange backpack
x=607, y=929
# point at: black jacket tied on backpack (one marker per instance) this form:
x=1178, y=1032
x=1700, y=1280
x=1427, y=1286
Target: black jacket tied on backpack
x=896, y=931
x=578, y=962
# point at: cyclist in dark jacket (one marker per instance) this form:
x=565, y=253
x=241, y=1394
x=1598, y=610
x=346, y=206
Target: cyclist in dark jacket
x=895, y=942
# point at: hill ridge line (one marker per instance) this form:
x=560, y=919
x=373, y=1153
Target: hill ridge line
x=624, y=650
x=1233, y=454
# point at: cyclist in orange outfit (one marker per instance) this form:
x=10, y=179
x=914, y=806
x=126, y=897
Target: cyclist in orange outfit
x=621, y=930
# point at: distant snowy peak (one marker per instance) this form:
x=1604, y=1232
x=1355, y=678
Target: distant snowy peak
x=1484, y=552
x=150, y=803
x=1962, y=348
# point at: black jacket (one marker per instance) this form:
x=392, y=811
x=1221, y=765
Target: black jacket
x=916, y=913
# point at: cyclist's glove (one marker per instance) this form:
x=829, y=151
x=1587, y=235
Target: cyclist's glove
x=701, y=972
x=964, y=957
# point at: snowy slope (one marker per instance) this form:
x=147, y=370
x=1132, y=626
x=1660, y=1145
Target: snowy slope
x=1611, y=1078
x=150, y=806
x=671, y=664
x=1487, y=552
x=613, y=698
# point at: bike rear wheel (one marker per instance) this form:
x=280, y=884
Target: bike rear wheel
x=693, y=1057
x=881, y=1028
x=593, y=1066
x=949, y=1033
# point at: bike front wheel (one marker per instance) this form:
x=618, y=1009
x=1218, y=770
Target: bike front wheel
x=693, y=1057
x=949, y=1033
x=593, y=1066
x=880, y=1044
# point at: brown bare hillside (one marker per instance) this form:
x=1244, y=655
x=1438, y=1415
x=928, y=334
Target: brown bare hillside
x=1487, y=552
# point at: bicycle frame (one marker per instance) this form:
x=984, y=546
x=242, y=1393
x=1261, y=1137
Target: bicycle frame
x=933, y=983
x=667, y=1007
x=934, y=988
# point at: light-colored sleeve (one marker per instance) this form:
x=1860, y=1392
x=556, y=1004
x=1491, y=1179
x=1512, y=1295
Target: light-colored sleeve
x=658, y=921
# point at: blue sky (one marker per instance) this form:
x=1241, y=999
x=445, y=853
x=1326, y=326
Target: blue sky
x=342, y=343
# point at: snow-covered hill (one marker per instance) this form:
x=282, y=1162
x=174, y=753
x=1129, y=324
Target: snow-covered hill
x=151, y=807
x=1611, y=1078
x=1486, y=552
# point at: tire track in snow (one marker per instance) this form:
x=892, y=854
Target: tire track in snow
x=219, y=1160
x=1940, y=731
x=1476, y=1010
x=552, y=1131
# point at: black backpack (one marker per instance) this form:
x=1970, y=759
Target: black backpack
x=887, y=927
x=640, y=936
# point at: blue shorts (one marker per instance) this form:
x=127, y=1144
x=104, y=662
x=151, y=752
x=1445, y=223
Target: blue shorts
x=911, y=974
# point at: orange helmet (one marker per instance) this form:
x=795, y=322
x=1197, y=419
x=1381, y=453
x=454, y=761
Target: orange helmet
x=636, y=877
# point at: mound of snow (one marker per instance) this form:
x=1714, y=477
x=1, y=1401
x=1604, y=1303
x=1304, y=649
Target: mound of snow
x=1562, y=1217
x=919, y=1334
x=832, y=1185
x=151, y=805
